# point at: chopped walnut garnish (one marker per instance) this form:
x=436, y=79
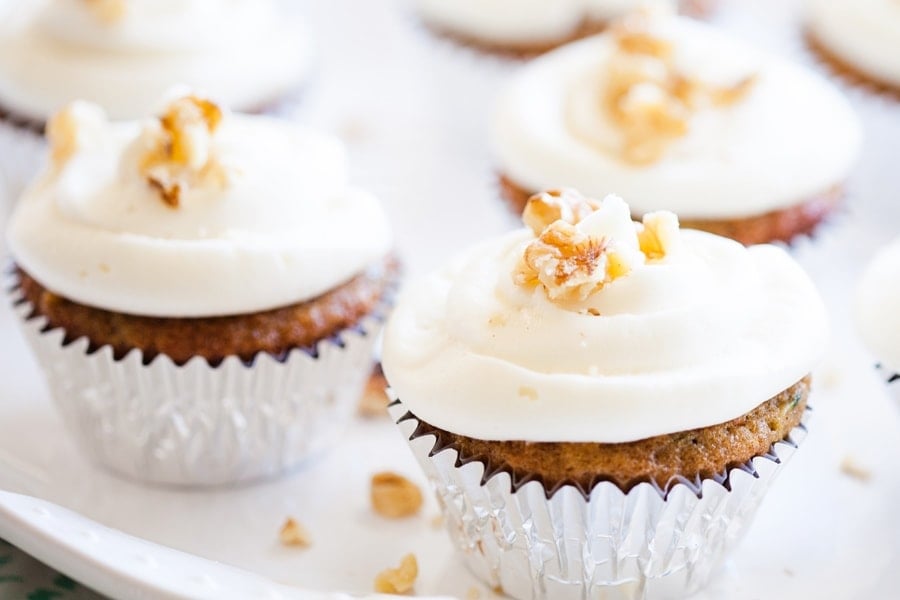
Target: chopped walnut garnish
x=646, y=95
x=569, y=263
x=71, y=129
x=546, y=207
x=395, y=496
x=179, y=149
x=399, y=580
x=294, y=534
x=658, y=234
x=108, y=11
x=589, y=245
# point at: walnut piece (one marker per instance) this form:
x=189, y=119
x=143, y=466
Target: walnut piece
x=648, y=98
x=395, y=496
x=399, y=580
x=294, y=534
x=658, y=234
x=179, y=149
x=72, y=129
x=108, y=11
x=588, y=245
x=570, y=264
x=567, y=204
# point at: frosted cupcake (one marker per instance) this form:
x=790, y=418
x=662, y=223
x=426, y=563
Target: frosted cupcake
x=203, y=289
x=600, y=403
x=531, y=27
x=878, y=311
x=125, y=54
x=859, y=39
x=675, y=115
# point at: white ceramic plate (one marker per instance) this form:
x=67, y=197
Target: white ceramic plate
x=414, y=111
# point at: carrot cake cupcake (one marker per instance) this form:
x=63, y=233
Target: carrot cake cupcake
x=675, y=115
x=203, y=289
x=125, y=54
x=859, y=38
x=601, y=403
x=531, y=27
x=878, y=311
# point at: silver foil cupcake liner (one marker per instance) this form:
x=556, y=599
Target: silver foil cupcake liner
x=197, y=424
x=648, y=543
x=22, y=150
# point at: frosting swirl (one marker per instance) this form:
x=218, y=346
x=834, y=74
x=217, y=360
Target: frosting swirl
x=877, y=299
x=124, y=55
x=861, y=32
x=264, y=215
x=698, y=330
x=784, y=139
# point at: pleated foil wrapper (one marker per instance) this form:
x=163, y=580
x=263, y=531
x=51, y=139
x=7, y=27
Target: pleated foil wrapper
x=197, y=424
x=647, y=544
x=22, y=151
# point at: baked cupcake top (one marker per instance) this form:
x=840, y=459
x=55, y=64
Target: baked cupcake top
x=520, y=21
x=878, y=299
x=589, y=327
x=124, y=54
x=673, y=114
x=197, y=213
x=862, y=33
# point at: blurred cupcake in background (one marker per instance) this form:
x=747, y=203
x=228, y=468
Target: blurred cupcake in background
x=601, y=404
x=859, y=39
x=203, y=290
x=674, y=114
x=529, y=27
x=125, y=54
x=878, y=312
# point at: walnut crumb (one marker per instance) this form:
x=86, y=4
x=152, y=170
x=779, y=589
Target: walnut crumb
x=179, y=149
x=438, y=521
x=473, y=594
x=374, y=401
x=294, y=534
x=851, y=468
x=399, y=580
x=107, y=11
x=395, y=496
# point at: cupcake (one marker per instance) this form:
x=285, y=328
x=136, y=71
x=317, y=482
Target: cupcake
x=877, y=314
x=675, y=115
x=601, y=404
x=858, y=39
x=203, y=290
x=513, y=26
x=125, y=54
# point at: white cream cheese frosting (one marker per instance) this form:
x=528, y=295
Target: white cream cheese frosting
x=520, y=21
x=243, y=52
x=695, y=337
x=276, y=224
x=790, y=137
x=878, y=306
x=863, y=33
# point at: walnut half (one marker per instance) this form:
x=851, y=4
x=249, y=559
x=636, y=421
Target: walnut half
x=399, y=580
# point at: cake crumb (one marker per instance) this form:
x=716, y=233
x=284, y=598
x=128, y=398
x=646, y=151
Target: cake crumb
x=399, y=580
x=294, y=534
x=473, y=594
x=438, y=521
x=851, y=468
x=395, y=496
x=374, y=401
